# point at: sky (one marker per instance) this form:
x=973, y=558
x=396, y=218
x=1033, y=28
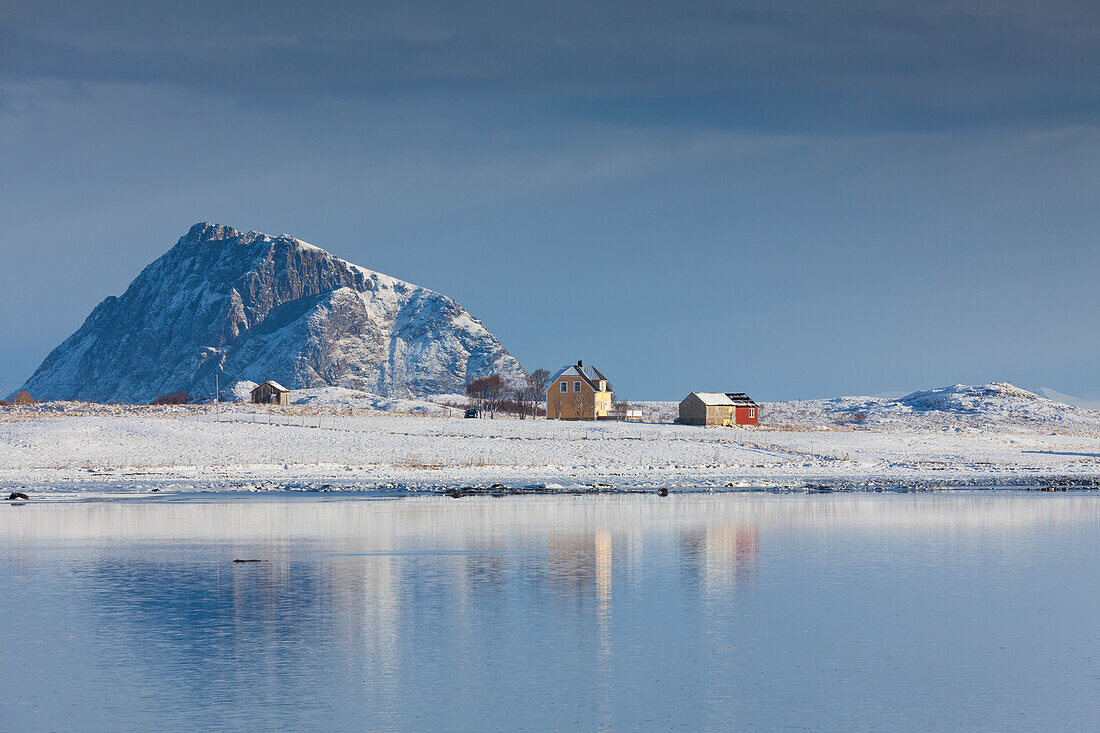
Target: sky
x=791, y=199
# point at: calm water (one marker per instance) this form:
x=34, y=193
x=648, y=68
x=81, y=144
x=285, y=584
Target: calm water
x=693, y=612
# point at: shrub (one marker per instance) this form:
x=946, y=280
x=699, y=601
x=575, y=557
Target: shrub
x=5, y=403
x=514, y=407
x=619, y=408
x=22, y=397
x=179, y=398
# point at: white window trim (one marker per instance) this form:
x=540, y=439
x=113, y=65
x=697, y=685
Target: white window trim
x=577, y=386
x=563, y=386
x=752, y=412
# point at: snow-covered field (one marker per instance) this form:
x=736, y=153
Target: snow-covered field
x=962, y=435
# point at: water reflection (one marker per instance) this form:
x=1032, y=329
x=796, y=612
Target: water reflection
x=720, y=558
x=599, y=613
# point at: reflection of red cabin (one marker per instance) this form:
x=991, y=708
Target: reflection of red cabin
x=719, y=408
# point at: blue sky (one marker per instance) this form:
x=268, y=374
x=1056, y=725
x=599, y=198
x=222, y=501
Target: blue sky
x=794, y=199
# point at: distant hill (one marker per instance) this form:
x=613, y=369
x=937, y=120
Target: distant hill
x=997, y=405
x=249, y=306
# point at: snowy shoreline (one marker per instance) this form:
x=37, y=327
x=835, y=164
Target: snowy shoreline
x=75, y=449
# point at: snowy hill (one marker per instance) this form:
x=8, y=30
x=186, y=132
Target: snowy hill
x=997, y=405
x=256, y=307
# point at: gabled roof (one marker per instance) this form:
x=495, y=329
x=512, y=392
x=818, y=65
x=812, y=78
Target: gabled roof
x=713, y=398
x=588, y=373
x=274, y=385
x=725, y=399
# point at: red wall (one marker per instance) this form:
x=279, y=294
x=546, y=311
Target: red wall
x=742, y=417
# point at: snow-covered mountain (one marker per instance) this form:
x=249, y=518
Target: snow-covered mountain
x=987, y=406
x=256, y=307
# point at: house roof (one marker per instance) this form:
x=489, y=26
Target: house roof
x=274, y=385
x=740, y=398
x=714, y=398
x=588, y=373
x=725, y=399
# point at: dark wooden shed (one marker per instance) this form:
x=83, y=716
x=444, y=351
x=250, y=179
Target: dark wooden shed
x=271, y=393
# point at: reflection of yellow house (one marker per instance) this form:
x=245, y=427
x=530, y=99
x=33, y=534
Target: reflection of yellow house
x=578, y=392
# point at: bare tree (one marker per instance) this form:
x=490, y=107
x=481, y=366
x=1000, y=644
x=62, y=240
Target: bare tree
x=533, y=391
x=537, y=382
x=488, y=393
x=496, y=392
x=524, y=399
x=620, y=408
x=475, y=390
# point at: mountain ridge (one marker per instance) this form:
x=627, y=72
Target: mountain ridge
x=251, y=306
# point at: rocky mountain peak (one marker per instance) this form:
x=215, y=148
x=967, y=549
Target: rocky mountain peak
x=257, y=307
x=205, y=230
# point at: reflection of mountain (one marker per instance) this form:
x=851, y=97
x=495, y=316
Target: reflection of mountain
x=175, y=597
x=209, y=626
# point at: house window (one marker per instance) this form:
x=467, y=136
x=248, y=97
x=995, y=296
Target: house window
x=576, y=386
x=752, y=412
x=564, y=386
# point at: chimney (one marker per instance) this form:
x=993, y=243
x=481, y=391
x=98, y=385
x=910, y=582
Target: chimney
x=580, y=363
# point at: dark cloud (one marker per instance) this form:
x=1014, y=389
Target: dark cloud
x=795, y=65
x=936, y=202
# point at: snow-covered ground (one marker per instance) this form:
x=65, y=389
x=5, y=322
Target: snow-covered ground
x=960, y=435
x=982, y=407
x=341, y=397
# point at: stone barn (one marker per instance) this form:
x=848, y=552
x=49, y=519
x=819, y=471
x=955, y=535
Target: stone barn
x=271, y=393
x=718, y=408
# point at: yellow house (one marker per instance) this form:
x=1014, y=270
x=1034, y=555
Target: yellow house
x=578, y=392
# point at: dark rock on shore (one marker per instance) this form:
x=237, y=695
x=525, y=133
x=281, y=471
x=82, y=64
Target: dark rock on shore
x=500, y=490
